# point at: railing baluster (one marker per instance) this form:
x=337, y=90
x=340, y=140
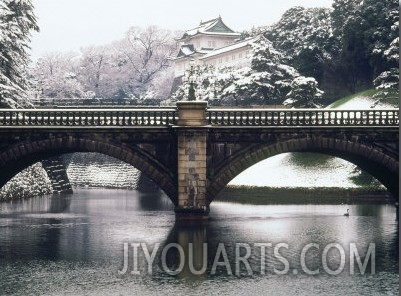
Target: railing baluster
x=91, y=119
x=143, y=119
x=80, y=118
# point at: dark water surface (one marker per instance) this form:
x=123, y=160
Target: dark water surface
x=74, y=245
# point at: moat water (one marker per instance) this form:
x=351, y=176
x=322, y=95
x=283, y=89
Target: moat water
x=83, y=244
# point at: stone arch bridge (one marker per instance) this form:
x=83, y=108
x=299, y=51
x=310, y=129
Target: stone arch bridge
x=192, y=151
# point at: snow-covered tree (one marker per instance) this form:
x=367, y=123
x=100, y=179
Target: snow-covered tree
x=343, y=12
x=94, y=70
x=387, y=82
x=161, y=84
x=267, y=81
x=305, y=38
x=304, y=93
x=141, y=55
x=381, y=18
x=128, y=69
x=17, y=21
x=57, y=75
x=364, y=32
x=271, y=76
x=341, y=47
x=302, y=28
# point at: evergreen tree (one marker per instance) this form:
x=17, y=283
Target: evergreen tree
x=304, y=93
x=381, y=18
x=17, y=20
x=387, y=82
x=267, y=81
x=271, y=77
x=364, y=32
x=343, y=13
x=305, y=38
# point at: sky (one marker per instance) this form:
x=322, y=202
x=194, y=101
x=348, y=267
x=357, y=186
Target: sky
x=68, y=25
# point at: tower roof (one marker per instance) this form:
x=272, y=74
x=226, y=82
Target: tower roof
x=211, y=27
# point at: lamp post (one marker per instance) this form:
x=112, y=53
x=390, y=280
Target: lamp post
x=192, y=79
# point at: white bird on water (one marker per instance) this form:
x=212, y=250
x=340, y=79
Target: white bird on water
x=347, y=213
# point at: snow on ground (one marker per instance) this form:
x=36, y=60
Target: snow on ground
x=361, y=102
x=282, y=171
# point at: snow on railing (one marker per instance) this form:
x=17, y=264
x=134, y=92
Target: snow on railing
x=88, y=117
x=302, y=117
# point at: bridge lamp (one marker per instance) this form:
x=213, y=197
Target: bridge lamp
x=192, y=76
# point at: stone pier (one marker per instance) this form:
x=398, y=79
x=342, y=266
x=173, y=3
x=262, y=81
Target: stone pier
x=192, y=133
x=57, y=173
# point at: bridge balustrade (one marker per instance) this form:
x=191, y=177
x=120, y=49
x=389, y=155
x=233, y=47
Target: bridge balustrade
x=301, y=117
x=214, y=117
x=86, y=117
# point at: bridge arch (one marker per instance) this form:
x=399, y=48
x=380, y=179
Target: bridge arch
x=371, y=159
x=19, y=156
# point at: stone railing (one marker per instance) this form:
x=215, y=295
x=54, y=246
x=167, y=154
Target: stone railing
x=196, y=113
x=302, y=117
x=88, y=117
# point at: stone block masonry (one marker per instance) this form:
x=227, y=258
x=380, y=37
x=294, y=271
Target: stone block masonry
x=191, y=169
x=192, y=135
x=57, y=174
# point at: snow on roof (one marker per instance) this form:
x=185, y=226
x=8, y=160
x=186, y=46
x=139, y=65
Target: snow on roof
x=210, y=27
x=188, y=50
x=228, y=48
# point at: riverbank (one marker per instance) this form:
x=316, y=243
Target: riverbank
x=301, y=195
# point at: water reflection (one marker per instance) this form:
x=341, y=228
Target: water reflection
x=156, y=200
x=77, y=241
x=193, y=239
x=295, y=225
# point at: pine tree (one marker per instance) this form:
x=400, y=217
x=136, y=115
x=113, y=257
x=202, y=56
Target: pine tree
x=387, y=48
x=17, y=20
x=304, y=93
x=271, y=76
x=364, y=32
x=343, y=12
x=305, y=37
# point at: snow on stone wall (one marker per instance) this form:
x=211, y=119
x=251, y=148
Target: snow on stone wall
x=83, y=169
x=98, y=170
x=32, y=181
